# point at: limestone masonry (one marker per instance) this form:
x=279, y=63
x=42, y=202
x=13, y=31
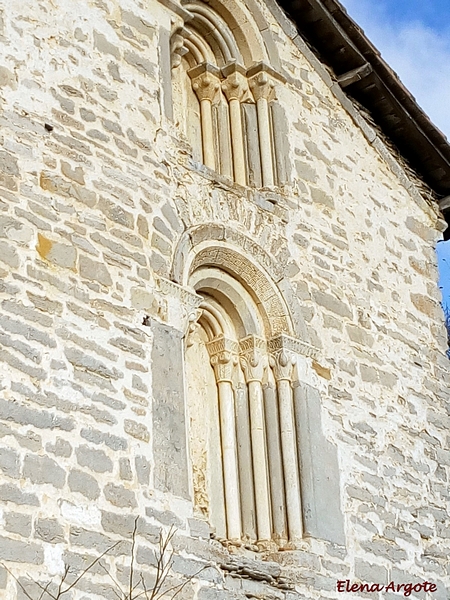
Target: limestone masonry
x=219, y=311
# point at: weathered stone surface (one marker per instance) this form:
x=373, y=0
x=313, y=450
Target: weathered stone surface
x=11, y=493
x=49, y=530
x=41, y=469
x=9, y=462
x=21, y=552
x=9, y=255
x=142, y=469
x=59, y=254
x=333, y=304
x=103, y=45
x=19, y=523
x=169, y=435
x=119, y=496
x=94, y=459
x=84, y=484
x=137, y=430
x=319, y=469
x=95, y=271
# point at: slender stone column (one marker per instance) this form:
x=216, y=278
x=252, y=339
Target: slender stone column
x=206, y=83
x=235, y=88
x=262, y=87
x=281, y=361
x=253, y=363
x=224, y=358
x=244, y=445
x=275, y=459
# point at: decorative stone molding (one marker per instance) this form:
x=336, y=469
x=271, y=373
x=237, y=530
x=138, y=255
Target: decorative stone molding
x=182, y=304
x=177, y=47
x=261, y=82
x=235, y=85
x=205, y=81
x=223, y=354
x=291, y=344
x=282, y=364
x=253, y=358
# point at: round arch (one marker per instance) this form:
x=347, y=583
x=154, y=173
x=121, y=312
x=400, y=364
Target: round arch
x=222, y=248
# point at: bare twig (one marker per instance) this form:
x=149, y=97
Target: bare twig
x=44, y=590
x=164, y=562
x=21, y=586
x=132, y=557
x=116, y=583
x=73, y=584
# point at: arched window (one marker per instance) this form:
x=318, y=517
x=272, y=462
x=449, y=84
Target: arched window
x=224, y=97
x=240, y=372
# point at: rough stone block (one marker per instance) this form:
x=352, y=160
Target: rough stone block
x=119, y=496
x=136, y=430
x=59, y=254
x=166, y=517
x=98, y=541
x=9, y=462
x=199, y=528
x=122, y=525
x=140, y=63
x=125, y=471
x=18, y=523
x=370, y=573
x=333, y=304
x=41, y=469
x=22, y=552
x=142, y=469
x=9, y=255
x=49, y=530
x=10, y=493
x=84, y=484
x=94, y=271
x=60, y=448
x=94, y=459
x=320, y=197
x=98, y=437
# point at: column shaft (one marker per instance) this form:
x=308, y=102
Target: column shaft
x=245, y=464
x=288, y=445
x=207, y=134
x=275, y=462
x=259, y=460
x=237, y=142
x=265, y=142
x=228, y=434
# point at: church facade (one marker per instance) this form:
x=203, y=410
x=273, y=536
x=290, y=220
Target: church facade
x=219, y=315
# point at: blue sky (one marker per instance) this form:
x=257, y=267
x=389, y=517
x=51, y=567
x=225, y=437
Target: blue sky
x=413, y=36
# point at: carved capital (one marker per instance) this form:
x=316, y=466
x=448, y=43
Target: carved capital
x=205, y=81
x=253, y=358
x=282, y=363
x=223, y=354
x=262, y=86
x=235, y=86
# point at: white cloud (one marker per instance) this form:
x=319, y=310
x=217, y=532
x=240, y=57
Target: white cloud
x=418, y=54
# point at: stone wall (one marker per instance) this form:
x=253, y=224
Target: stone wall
x=100, y=202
